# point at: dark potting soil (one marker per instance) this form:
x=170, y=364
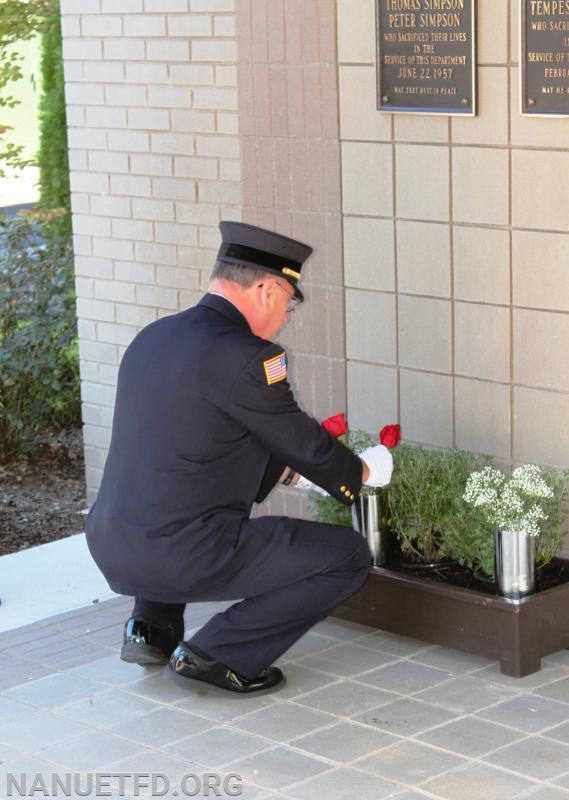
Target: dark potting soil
x=547, y=577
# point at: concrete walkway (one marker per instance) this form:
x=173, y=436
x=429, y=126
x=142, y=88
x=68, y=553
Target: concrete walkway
x=363, y=715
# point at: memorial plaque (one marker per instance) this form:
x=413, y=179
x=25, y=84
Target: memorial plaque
x=544, y=59
x=426, y=56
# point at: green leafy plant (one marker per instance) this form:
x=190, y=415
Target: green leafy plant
x=427, y=510
x=20, y=20
x=39, y=373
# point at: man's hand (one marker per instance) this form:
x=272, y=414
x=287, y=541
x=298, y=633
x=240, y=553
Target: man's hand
x=379, y=463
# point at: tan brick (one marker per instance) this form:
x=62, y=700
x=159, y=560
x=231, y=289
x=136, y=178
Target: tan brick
x=129, y=141
x=82, y=49
x=113, y=248
x=168, y=97
x=144, y=25
x=104, y=71
x=137, y=230
x=157, y=296
x=79, y=7
x=82, y=245
x=108, y=375
x=87, y=182
x=87, y=330
x=75, y=116
x=227, y=123
x=146, y=73
x=101, y=117
x=116, y=334
x=101, y=25
x=216, y=99
x=94, y=267
x=135, y=272
x=168, y=50
x=224, y=26
x=135, y=315
x=226, y=76
x=108, y=206
x=161, y=210
x=166, y=5
x=85, y=137
x=172, y=143
x=192, y=74
x=195, y=167
x=148, y=119
x=153, y=253
x=89, y=371
x=114, y=290
x=80, y=204
x=121, y=6
x=84, y=287
x=77, y=160
x=96, y=351
x=174, y=189
x=197, y=213
x=196, y=121
x=90, y=225
x=125, y=95
x=214, y=51
x=190, y=25
x=95, y=309
x=230, y=170
x=189, y=299
x=100, y=437
x=212, y=5
x=151, y=165
x=124, y=49
x=73, y=71
x=209, y=238
x=87, y=94
x=173, y=233
x=177, y=277
x=219, y=191
x=224, y=146
x=91, y=414
x=70, y=26
x=137, y=185
x=108, y=161
x=197, y=257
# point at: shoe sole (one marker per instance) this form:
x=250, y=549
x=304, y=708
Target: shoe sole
x=198, y=686
x=143, y=654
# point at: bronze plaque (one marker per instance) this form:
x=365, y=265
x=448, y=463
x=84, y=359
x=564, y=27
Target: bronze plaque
x=426, y=56
x=544, y=57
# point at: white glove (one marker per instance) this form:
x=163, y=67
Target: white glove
x=380, y=463
x=305, y=484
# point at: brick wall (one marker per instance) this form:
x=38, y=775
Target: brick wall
x=151, y=89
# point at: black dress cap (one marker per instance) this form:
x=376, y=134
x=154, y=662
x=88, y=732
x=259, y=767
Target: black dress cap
x=262, y=249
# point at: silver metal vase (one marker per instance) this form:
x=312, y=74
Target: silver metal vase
x=515, y=563
x=367, y=520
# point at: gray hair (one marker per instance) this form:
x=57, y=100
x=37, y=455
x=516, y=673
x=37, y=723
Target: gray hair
x=237, y=273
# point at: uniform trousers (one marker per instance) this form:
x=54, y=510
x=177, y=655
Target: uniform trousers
x=290, y=572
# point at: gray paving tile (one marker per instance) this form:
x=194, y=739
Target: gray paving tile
x=9, y=753
x=309, y=643
x=91, y=752
x=107, y=708
x=33, y=733
x=562, y=782
x=547, y=674
x=155, y=763
x=393, y=643
x=111, y=670
x=301, y=680
x=24, y=770
x=161, y=727
x=528, y=712
x=535, y=757
x=410, y=763
x=341, y=629
x=346, y=660
x=559, y=732
x=345, y=698
x=283, y=721
x=558, y=690
x=466, y=694
x=24, y=675
x=344, y=742
x=405, y=677
x=470, y=736
x=545, y=792
x=344, y=784
x=406, y=716
x=451, y=660
x=12, y=709
x=560, y=658
x=477, y=782
x=218, y=746
x=219, y=708
x=278, y=768
x=54, y=690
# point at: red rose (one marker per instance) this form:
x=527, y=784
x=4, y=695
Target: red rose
x=390, y=435
x=336, y=425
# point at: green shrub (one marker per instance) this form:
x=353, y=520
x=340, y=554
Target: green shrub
x=39, y=373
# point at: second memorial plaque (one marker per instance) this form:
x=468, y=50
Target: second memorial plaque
x=426, y=56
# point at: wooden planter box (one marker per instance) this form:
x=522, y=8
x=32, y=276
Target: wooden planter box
x=518, y=633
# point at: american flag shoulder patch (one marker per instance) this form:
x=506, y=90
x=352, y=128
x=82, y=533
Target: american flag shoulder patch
x=275, y=368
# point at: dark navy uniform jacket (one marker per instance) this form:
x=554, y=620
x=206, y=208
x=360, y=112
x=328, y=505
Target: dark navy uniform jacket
x=204, y=424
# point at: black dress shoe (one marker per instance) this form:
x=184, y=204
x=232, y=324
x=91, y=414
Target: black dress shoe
x=147, y=644
x=186, y=663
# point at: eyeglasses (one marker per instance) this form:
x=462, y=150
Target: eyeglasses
x=293, y=302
